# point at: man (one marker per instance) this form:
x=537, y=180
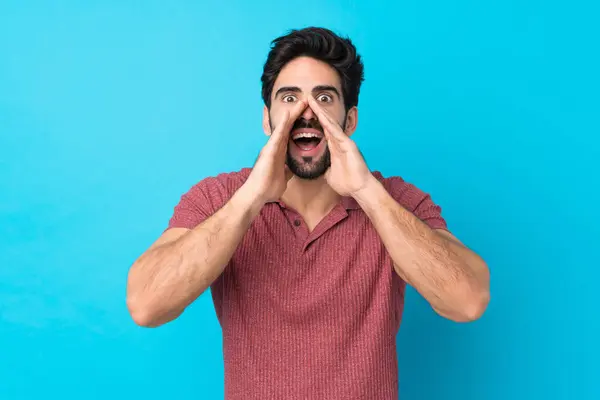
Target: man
x=307, y=254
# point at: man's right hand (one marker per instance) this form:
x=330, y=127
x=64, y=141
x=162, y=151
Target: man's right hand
x=183, y=263
x=270, y=174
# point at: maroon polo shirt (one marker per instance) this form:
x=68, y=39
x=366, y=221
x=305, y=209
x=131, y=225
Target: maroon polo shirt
x=307, y=315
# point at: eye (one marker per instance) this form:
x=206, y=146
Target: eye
x=324, y=98
x=288, y=98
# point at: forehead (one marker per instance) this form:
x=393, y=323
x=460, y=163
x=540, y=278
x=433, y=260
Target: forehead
x=306, y=73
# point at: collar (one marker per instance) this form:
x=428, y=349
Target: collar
x=347, y=202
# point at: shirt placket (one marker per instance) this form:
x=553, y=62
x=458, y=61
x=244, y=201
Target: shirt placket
x=298, y=224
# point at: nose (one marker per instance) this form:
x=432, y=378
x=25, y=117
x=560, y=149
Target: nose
x=308, y=114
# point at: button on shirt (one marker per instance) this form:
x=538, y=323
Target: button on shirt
x=307, y=315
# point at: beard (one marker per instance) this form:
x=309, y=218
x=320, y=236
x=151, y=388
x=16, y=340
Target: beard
x=308, y=167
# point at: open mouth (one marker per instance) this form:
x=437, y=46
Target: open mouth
x=307, y=139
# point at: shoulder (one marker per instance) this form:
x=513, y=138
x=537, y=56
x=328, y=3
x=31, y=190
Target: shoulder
x=414, y=200
x=206, y=197
x=212, y=192
x=224, y=184
x=407, y=194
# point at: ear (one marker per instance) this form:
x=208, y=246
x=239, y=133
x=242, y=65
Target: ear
x=266, y=121
x=351, y=121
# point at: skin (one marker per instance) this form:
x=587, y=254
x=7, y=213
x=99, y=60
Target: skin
x=183, y=263
x=312, y=199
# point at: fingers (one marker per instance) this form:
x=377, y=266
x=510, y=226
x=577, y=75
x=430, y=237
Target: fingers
x=333, y=132
x=279, y=139
x=282, y=131
x=331, y=127
x=296, y=112
x=278, y=133
x=332, y=142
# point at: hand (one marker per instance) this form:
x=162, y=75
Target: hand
x=270, y=175
x=348, y=173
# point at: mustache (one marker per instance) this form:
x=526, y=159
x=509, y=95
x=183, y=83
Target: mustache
x=307, y=123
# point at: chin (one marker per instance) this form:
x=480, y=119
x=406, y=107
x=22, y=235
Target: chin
x=309, y=169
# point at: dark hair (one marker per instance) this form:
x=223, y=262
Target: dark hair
x=320, y=44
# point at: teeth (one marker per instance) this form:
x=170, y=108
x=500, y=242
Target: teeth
x=306, y=135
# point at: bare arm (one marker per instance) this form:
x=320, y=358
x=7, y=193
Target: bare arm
x=452, y=278
x=183, y=263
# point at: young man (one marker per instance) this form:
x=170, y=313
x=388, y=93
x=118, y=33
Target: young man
x=307, y=254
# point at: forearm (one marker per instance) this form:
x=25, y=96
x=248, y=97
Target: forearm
x=168, y=277
x=448, y=275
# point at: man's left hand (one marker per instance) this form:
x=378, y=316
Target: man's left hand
x=348, y=173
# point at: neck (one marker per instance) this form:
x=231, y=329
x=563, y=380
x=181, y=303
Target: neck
x=310, y=196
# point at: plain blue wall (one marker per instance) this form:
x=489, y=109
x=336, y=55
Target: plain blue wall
x=109, y=111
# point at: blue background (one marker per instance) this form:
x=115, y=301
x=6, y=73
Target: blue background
x=110, y=110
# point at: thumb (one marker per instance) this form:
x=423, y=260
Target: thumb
x=281, y=130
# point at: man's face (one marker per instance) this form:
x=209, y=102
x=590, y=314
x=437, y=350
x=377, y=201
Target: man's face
x=308, y=156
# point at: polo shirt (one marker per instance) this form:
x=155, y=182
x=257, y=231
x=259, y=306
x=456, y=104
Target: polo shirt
x=307, y=315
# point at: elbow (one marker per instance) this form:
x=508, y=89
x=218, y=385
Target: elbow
x=145, y=315
x=472, y=307
x=475, y=297
x=140, y=309
x=469, y=308
x=475, y=306
x=141, y=314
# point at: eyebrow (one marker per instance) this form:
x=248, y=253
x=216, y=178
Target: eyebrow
x=296, y=89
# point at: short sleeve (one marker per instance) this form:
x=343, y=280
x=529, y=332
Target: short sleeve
x=206, y=198
x=417, y=202
x=430, y=213
x=194, y=207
